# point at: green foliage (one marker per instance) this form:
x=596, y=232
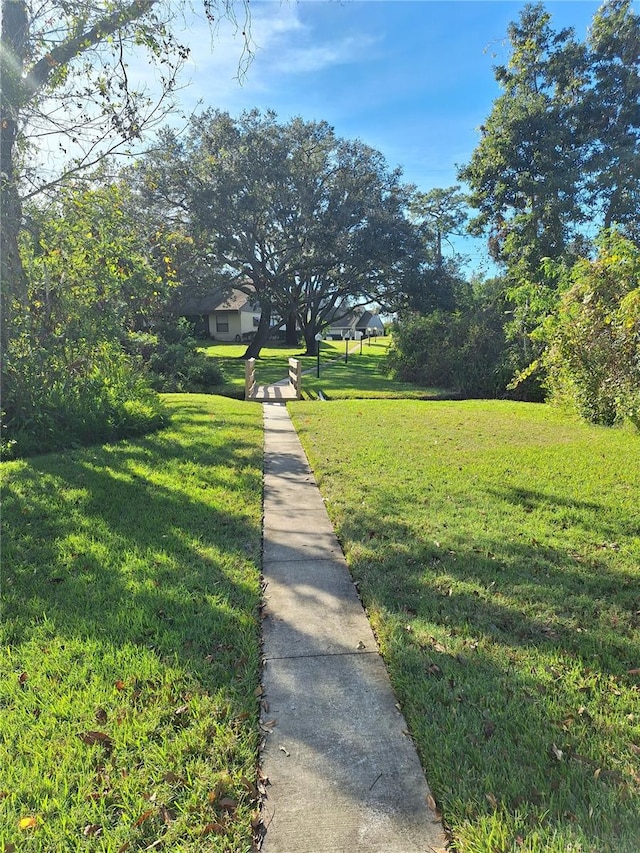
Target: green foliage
x=173, y=362
x=524, y=171
x=593, y=359
x=560, y=148
x=462, y=350
x=313, y=223
x=69, y=395
x=66, y=379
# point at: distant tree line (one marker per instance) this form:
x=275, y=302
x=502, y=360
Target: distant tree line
x=555, y=183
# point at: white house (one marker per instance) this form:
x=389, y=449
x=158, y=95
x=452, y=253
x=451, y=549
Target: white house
x=230, y=315
x=366, y=322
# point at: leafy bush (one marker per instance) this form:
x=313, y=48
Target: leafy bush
x=70, y=395
x=172, y=361
x=593, y=358
x=461, y=350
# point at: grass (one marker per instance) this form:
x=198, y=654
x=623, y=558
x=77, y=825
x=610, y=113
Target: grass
x=271, y=366
x=362, y=376
x=130, y=639
x=497, y=550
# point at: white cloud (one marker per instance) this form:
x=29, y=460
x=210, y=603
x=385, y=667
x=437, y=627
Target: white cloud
x=282, y=45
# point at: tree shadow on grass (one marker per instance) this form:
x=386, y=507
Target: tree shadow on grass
x=510, y=653
x=137, y=567
x=92, y=536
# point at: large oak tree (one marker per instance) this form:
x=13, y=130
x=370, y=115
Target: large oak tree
x=313, y=224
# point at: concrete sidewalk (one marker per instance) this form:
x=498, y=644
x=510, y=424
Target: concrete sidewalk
x=343, y=774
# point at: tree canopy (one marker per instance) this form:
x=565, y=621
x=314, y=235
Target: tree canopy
x=559, y=154
x=313, y=224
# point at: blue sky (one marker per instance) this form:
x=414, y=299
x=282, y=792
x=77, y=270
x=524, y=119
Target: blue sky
x=412, y=78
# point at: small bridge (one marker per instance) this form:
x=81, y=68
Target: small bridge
x=286, y=389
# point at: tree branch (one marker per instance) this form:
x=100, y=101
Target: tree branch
x=64, y=53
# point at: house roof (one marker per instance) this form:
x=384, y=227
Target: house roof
x=220, y=300
x=356, y=320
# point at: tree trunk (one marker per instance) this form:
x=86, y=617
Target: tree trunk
x=310, y=340
x=291, y=334
x=14, y=34
x=262, y=335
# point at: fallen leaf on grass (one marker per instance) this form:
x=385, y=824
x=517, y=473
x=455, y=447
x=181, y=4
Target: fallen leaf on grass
x=556, y=753
x=248, y=785
x=101, y=715
x=488, y=729
x=171, y=777
x=167, y=815
x=144, y=816
x=214, y=826
x=92, y=829
x=492, y=800
x=28, y=822
x=635, y=671
x=228, y=804
x=92, y=738
x=94, y=796
x=23, y=677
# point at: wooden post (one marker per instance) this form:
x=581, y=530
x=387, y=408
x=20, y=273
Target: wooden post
x=295, y=376
x=249, y=378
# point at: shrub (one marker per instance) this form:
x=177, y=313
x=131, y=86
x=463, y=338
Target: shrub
x=70, y=395
x=593, y=359
x=172, y=361
x=460, y=350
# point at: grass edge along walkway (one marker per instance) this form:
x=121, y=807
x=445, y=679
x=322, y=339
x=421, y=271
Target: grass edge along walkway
x=496, y=548
x=129, y=650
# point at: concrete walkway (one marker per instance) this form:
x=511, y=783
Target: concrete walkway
x=343, y=774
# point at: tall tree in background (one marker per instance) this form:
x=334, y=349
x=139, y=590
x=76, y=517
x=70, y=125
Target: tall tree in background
x=440, y=214
x=558, y=158
x=64, y=73
x=525, y=172
x=611, y=118
x=308, y=222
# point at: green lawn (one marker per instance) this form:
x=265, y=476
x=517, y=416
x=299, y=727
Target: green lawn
x=363, y=375
x=129, y=640
x=496, y=547
x=272, y=365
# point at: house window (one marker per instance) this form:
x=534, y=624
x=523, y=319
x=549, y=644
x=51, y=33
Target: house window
x=256, y=322
x=222, y=325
